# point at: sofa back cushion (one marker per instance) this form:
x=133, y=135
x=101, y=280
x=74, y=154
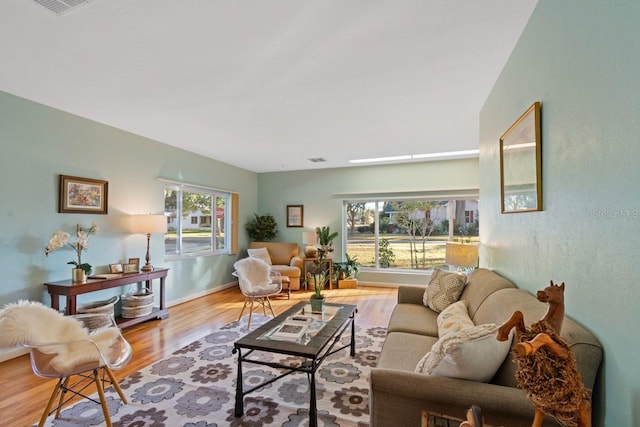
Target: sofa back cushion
x=279, y=252
x=480, y=284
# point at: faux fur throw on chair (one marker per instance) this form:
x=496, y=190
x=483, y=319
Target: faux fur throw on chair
x=255, y=272
x=31, y=322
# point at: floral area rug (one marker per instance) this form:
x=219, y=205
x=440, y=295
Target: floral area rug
x=195, y=387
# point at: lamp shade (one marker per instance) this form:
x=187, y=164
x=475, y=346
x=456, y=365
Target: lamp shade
x=148, y=224
x=461, y=254
x=309, y=237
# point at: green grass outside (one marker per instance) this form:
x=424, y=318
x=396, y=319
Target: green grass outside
x=399, y=244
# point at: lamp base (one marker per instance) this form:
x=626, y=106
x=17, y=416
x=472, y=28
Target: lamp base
x=147, y=267
x=310, y=251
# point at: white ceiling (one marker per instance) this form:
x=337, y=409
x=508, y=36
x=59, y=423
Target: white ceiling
x=267, y=84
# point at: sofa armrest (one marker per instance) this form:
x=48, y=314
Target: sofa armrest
x=296, y=261
x=396, y=395
x=410, y=294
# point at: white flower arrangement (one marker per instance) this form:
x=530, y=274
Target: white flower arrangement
x=60, y=239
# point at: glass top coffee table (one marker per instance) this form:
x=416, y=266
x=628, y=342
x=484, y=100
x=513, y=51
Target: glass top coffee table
x=297, y=332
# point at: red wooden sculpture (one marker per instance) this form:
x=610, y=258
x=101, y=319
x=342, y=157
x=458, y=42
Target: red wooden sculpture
x=545, y=366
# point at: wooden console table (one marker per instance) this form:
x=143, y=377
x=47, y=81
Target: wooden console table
x=71, y=290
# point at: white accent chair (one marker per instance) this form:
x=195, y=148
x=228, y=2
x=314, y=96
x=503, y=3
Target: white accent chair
x=257, y=283
x=78, y=350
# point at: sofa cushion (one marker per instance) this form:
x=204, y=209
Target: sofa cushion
x=286, y=270
x=443, y=290
x=471, y=354
x=481, y=283
x=403, y=351
x=414, y=319
x=454, y=319
x=260, y=253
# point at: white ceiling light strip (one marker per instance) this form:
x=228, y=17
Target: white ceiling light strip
x=441, y=156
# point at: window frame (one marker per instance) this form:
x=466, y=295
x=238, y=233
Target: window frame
x=381, y=199
x=180, y=220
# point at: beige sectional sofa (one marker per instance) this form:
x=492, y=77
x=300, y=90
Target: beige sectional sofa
x=284, y=258
x=398, y=395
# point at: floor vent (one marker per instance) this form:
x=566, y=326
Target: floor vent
x=61, y=7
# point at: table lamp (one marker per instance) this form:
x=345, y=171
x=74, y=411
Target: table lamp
x=310, y=238
x=148, y=224
x=461, y=255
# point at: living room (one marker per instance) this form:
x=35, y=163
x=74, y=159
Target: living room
x=579, y=59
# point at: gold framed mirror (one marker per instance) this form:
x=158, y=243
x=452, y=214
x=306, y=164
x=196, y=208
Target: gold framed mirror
x=521, y=164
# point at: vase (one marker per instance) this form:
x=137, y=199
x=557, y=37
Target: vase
x=317, y=305
x=78, y=275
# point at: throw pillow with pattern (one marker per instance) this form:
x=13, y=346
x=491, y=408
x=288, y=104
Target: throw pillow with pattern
x=454, y=319
x=443, y=290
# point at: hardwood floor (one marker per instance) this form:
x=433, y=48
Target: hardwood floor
x=23, y=396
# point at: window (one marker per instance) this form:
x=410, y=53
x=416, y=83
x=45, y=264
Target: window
x=407, y=234
x=198, y=221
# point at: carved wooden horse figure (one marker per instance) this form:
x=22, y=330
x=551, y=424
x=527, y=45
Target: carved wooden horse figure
x=545, y=366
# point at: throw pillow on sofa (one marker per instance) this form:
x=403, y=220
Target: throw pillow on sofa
x=260, y=253
x=454, y=319
x=443, y=289
x=471, y=354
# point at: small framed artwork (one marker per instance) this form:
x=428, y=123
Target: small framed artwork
x=115, y=268
x=130, y=267
x=295, y=215
x=521, y=164
x=83, y=195
x=134, y=261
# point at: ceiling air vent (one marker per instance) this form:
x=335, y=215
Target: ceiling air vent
x=317, y=160
x=60, y=7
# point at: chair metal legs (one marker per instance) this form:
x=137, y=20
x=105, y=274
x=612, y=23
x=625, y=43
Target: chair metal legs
x=96, y=376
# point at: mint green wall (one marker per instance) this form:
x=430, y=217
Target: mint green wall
x=38, y=143
x=322, y=193
x=581, y=59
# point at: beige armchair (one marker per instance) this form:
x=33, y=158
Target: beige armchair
x=284, y=258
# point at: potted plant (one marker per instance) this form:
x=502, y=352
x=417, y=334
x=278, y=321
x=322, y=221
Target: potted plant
x=346, y=272
x=261, y=228
x=325, y=238
x=348, y=269
x=60, y=239
x=318, y=276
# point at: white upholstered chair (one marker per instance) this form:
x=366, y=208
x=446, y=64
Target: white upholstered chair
x=257, y=283
x=78, y=350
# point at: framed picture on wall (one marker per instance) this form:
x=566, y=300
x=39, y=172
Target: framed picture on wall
x=295, y=215
x=82, y=195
